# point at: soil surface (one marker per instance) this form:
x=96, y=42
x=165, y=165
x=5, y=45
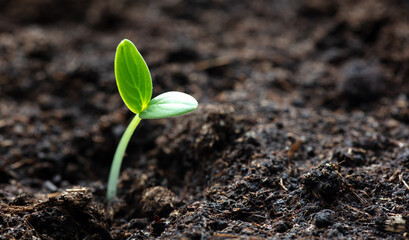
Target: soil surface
x=302, y=129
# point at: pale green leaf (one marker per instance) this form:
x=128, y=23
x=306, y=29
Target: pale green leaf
x=169, y=104
x=132, y=77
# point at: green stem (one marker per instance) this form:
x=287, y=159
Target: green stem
x=119, y=155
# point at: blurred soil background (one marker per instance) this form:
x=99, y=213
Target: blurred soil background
x=302, y=129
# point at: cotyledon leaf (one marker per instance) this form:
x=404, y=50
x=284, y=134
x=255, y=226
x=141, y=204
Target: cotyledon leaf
x=169, y=104
x=132, y=77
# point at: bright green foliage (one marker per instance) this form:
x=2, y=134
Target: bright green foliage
x=135, y=87
x=169, y=104
x=132, y=77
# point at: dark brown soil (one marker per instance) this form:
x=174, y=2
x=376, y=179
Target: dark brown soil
x=302, y=129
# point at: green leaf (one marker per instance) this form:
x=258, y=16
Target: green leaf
x=132, y=77
x=169, y=104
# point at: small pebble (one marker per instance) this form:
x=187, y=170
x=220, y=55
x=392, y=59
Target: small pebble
x=50, y=186
x=324, y=218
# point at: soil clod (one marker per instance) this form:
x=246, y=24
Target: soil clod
x=324, y=182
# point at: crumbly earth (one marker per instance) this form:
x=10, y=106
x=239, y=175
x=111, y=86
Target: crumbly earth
x=302, y=130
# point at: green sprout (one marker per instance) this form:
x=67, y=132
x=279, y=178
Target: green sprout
x=135, y=87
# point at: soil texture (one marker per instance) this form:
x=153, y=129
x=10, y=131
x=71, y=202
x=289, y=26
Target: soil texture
x=302, y=129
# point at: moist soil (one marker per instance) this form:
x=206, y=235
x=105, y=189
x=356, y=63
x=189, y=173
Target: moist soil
x=302, y=129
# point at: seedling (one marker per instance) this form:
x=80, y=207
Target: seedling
x=135, y=87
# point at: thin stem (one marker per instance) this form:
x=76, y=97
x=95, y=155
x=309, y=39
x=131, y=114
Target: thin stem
x=119, y=155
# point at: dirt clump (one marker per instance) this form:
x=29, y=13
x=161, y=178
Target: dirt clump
x=324, y=182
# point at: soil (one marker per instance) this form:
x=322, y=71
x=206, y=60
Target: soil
x=302, y=129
